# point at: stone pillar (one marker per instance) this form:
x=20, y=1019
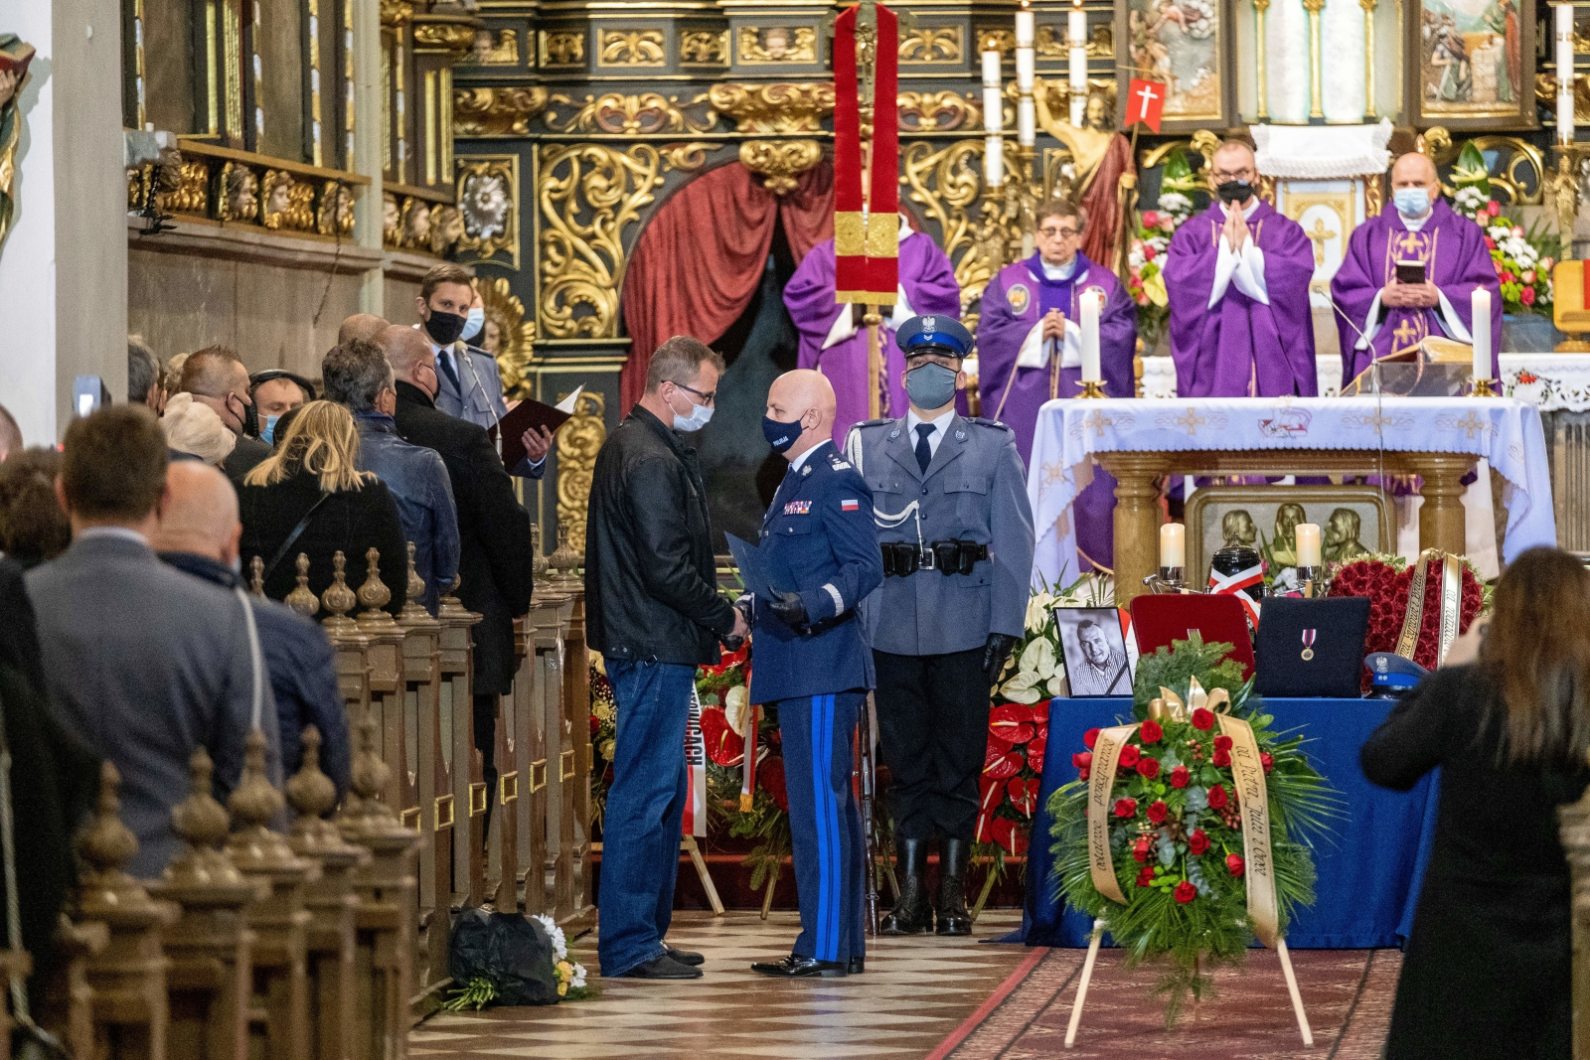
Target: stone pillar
x=63, y=264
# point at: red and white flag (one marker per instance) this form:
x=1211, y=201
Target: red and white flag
x=694, y=821
x=1145, y=102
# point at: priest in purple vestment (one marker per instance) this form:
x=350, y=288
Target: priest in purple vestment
x=1378, y=314
x=1029, y=351
x=833, y=340
x=1237, y=276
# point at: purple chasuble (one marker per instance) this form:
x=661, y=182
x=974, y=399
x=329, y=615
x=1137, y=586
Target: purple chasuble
x=1455, y=259
x=1240, y=346
x=1013, y=303
x=930, y=287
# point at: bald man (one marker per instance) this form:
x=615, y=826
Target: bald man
x=820, y=552
x=1411, y=273
x=365, y=326
x=1237, y=276
x=198, y=533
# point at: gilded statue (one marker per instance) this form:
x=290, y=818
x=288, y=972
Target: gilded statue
x=239, y=193
x=14, y=59
x=391, y=224
x=1105, y=176
x=417, y=225
x=447, y=228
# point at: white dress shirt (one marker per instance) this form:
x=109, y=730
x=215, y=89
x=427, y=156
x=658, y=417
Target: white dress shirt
x=941, y=426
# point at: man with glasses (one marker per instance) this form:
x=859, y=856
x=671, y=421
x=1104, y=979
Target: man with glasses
x=1238, y=276
x=217, y=377
x=653, y=610
x=1029, y=348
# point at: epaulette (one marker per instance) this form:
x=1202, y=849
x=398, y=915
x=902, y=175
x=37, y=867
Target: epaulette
x=873, y=423
x=993, y=424
x=837, y=462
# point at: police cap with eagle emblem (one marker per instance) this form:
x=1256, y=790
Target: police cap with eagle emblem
x=934, y=333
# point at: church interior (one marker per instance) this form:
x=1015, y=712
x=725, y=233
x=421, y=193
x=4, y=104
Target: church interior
x=1269, y=329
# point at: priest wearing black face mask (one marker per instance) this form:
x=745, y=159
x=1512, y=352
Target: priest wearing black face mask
x=471, y=384
x=1237, y=276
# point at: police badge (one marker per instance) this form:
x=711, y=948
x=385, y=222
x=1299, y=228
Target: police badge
x=1019, y=297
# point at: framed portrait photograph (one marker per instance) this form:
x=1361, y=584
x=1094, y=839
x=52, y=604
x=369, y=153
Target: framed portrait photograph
x=1095, y=651
x=1185, y=44
x=1470, y=64
x=1354, y=521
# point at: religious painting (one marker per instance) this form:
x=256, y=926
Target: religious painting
x=1471, y=63
x=1354, y=522
x=1095, y=651
x=1182, y=43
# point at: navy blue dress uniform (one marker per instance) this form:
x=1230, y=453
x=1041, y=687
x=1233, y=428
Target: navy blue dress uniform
x=956, y=532
x=820, y=545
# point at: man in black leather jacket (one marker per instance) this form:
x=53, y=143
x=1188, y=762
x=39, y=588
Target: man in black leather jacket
x=653, y=610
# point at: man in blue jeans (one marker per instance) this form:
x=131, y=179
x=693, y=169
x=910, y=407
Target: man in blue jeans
x=654, y=613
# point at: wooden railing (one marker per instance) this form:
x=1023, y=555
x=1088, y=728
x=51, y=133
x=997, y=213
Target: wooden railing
x=329, y=939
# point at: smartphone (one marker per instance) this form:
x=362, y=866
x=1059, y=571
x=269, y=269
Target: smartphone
x=89, y=394
x=1410, y=272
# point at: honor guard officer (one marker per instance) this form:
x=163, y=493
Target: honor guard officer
x=820, y=555
x=955, y=528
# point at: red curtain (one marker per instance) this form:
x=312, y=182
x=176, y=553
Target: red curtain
x=698, y=263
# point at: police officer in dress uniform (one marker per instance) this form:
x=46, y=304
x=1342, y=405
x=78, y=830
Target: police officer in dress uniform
x=956, y=532
x=814, y=666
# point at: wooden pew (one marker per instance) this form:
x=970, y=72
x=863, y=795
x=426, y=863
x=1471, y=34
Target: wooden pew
x=463, y=761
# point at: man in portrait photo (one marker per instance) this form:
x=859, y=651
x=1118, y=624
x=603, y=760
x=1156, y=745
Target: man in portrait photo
x=1102, y=669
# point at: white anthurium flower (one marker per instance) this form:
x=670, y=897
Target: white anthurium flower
x=1057, y=686
x=1023, y=688
x=1038, y=659
x=737, y=708
x=1038, y=605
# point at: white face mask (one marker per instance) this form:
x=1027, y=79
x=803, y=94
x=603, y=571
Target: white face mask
x=474, y=321
x=700, y=416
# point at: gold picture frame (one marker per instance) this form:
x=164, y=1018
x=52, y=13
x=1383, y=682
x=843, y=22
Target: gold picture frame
x=1470, y=64
x=1209, y=507
x=1163, y=42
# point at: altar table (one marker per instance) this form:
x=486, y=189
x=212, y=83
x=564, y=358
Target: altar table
x=1140, y=440
x=1369, y=867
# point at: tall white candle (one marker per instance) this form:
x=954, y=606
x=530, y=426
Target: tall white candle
x=1077, y=61
x=1308, y=545
x=991, y=69
x=1480, y=308
x=1026, y=68
x=993, y=110
x=994, y=161
x=1077, y=25
x=1564, y=40
x=1090, y=337
x=1024, y=27
x=1172, y=545
x=1026, y=122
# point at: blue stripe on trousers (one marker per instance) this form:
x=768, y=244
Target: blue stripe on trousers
x=824, y=948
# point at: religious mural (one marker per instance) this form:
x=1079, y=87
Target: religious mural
x=1179, y=42
x=1474, y=61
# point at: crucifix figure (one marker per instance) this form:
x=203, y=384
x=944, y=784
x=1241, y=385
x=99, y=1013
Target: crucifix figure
x=1318, y=235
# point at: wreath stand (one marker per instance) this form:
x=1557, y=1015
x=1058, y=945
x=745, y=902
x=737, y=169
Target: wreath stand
x=1099, y=926
x=689, y=845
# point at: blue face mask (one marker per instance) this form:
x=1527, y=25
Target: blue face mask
x=1411, y=202
x=473, y=322
x=782, y=435
x=931, y=386
x=267, y=431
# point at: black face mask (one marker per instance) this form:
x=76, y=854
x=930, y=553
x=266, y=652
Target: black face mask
x=249, y=416
x=1235, y=191
x=444, y=328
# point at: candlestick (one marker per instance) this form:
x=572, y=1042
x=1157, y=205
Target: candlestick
x=1480, y=319
x=1024, y=27
x=1090, y=337
x=1308, y=545
x=1564, y=52
x=1172, y=545
x=993, y=161
x=1026, y=122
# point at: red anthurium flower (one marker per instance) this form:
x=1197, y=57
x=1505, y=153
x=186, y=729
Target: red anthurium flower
x=1222, y=742
x=1023, y=795
x=1203, y=719
x=1218, y=797
x=1129, y=756
x=1198, y=842
x=1149, y=731
x=1140, y=849
x=1011, y=724
x=1185, y=892
x=1221, y=757
x=1235, y=865
x=724, y=746
x=1179, y=777
x=1157, y=811
x=1090, y=738
x=1002, y=764
x=1145, y=877
x=1148, y=767
x=1126, y=807
x=1035, y=756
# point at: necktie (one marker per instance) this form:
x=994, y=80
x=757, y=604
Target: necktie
x=924, y=451
x=445, y=359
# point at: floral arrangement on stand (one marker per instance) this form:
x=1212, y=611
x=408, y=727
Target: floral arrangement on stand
x=1151, y=234
x=1522, y=263
x=1406, y=604
x=1175, y=890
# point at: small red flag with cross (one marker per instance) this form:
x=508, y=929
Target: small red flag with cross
x=1145, y=102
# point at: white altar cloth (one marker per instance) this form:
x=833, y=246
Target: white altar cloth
x=1505, y=432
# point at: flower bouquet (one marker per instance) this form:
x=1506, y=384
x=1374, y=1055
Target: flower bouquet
x=1151, y=234
x=1173, y=843
x=1414, y=611
x=1522, y=264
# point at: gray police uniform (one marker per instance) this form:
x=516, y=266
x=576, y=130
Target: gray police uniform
x=470, y=388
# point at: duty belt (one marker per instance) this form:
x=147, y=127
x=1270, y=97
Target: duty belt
x=903, y=559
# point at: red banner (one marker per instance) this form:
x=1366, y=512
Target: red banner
x=1145, y=102
x=866, y=191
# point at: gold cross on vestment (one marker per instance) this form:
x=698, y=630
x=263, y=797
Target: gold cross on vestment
x=1318, y=236
x=1411, y=242
x=1405, y=331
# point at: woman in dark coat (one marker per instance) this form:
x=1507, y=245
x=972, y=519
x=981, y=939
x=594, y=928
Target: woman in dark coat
x=314, y=472
x=1487, y=970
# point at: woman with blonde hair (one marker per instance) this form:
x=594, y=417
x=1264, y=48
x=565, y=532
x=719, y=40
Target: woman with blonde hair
x=310, y=497
x=1488, y=970
x=195, y=431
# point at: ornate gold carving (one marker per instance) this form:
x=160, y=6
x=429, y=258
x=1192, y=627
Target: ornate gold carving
x=513, y=345
x=779, y=162
x=642, y=114
x=631, y=47
x=777, y=108
x=336, y=209
x=589, y=195
x=938, y=112
x=778, y=44
x=499, y=50
x=1374, y=196
x=192, y=191
x=703, y=47
x=447, y=228
x=563, y=48
x=391, y=220
x=578, y=443
x=1519, y=175
x=416, y=224
x=447, y=36
x=1546, y=90
x=1051, y=42
x=946, y=182
x=289, y=204
x=932, y=44
x=1002, y=41
x=496, y=111
x=396, y=12
x=239, y=197
x=488, y=191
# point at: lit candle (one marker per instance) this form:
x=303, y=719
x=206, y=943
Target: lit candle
x=1090, y=337
x=1308, y=545
x=1480, y=319
x=1026, y=68
x=1026, y=122
x=994, y=161
x=1564, y=39
x=1024, y=27
x=1076, y=24
x=1172, y=545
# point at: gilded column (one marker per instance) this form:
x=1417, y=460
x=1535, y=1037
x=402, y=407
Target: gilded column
x=1316, y=80
x=1369, y=57
x=1259, y=8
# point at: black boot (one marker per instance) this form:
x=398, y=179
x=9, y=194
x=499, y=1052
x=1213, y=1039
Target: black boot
x=953, y=917
x=911, y=914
